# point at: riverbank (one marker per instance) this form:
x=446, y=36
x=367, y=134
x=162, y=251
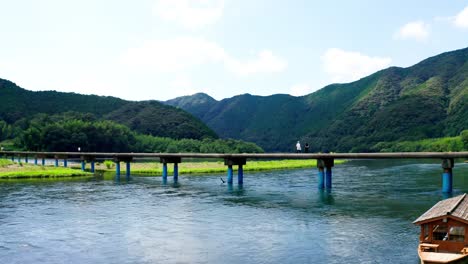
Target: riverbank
x=13, y=170
x=211, y=167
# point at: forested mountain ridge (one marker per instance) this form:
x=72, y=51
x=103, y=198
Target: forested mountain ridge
x=427, y=100
x=147, y=117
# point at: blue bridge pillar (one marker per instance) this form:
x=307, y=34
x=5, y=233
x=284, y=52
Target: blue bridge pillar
x=35, y=161
x=325, y=173
x=229, y=175
x=117, y=169
x=164, y=172
x=56, y=162
x=127, y=169
x=26, y=159
x=43, y=162
x=447, y=176
x=89, y=159
x=175, y=161
x=127, y=161
x=240, y=175
x=65, y=163
x=13, y=158
x=176, y=172
x=240, y=162
x=321, y=178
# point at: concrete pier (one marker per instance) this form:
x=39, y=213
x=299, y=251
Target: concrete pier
x=229, y=174
x=127, y=169
x=176, y=172
x=325, y=173
x=321, y=178
x=240, y=171
x=164, y=173
x=447, y=175
x=117, y=169
x=240, y=175
x=170, y=159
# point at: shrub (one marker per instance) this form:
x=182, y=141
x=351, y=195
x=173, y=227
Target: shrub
x=109, y=164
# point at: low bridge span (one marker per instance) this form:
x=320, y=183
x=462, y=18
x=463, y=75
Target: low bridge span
x=325, y=161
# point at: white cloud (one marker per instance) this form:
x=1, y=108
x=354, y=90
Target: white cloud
x=417, y=30
x=347, y=66
x=191, y=14
x=182, y=85
x=461, y=19
x=265, y=62
x=174, y=54
x=183, y=53
x=300, y=89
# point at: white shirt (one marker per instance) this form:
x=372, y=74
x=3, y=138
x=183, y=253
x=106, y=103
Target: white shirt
x=298, y=146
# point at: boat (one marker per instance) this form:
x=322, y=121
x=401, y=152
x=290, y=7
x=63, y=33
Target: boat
x=444, y=232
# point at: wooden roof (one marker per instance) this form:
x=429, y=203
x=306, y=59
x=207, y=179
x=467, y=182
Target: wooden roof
x=456, y=206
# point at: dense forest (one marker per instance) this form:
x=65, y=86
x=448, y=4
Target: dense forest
x=148, y=117
x=426, y=101
x=68, y=131
x=55, y=121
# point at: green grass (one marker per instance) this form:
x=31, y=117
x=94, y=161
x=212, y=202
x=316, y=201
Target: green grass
x=219, y=167
x=10, y=170
x=5, y=162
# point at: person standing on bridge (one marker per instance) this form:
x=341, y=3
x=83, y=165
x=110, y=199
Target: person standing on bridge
x=298, y=147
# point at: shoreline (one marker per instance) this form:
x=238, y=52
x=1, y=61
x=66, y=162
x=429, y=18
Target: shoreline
x=197, y=168
x=14, y=170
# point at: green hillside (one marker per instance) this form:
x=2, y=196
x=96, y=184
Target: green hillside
x=151, y=118
x=427, y=100
x=197, y=104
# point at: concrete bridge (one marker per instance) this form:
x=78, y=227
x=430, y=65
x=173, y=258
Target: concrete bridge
x=325, y=161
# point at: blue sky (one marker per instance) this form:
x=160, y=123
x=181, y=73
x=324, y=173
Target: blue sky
x=161, y=49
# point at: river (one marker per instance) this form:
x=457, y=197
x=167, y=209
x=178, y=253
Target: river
x=276, y=217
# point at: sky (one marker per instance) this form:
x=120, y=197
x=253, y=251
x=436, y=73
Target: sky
x=162, y=49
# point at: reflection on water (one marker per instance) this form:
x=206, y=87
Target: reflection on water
x=276, y=217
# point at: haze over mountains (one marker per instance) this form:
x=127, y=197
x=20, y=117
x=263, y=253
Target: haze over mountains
x=427, y=100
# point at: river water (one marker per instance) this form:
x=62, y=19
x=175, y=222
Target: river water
x=276, y=217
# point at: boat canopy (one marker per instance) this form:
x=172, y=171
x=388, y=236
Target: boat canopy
x=456, y=207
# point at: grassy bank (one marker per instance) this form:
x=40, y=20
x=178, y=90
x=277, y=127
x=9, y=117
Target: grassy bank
x=13, y=170
x=153, y=168
x=446, y=144
x=10, y=170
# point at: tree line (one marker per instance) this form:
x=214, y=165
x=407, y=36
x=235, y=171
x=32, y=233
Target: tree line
x=70, y=131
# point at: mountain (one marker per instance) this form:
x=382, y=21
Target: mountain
x=147, y=117
x=196, y=104
x=427, y=100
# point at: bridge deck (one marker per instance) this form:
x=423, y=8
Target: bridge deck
x=392, y=155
